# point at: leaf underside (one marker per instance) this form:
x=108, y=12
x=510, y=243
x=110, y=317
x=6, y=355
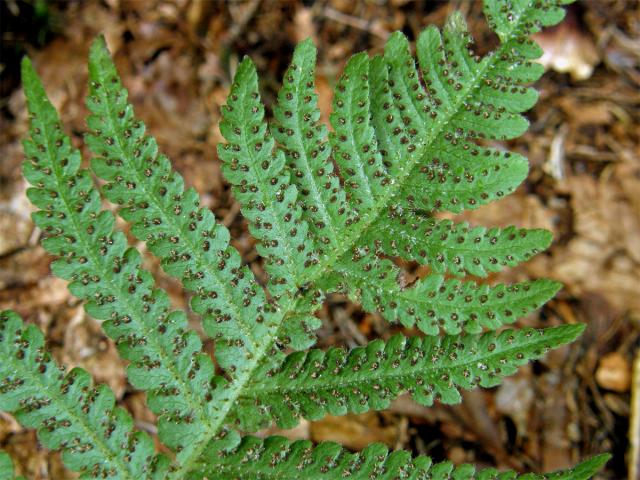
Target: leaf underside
x=331, y=211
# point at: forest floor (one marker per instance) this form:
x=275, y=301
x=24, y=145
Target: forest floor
x=177, y=59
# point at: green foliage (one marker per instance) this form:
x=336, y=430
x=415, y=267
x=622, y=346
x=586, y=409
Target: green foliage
x=6, y=467
x=67, y=411
x=165, y=356
x=185, y=236
x=314, y=383
x=456, y=248
x=279, y=458
x=329, y=211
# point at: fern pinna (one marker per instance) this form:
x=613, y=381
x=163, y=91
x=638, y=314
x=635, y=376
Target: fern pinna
x=330, y=210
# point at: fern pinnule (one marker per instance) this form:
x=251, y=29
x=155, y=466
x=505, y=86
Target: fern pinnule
x=263, y=186
x=436, y=303
x=303, y=138
x=456, y=248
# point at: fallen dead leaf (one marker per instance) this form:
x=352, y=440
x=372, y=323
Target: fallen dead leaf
x=568, y=49
x=354, y=431
x=614, y=372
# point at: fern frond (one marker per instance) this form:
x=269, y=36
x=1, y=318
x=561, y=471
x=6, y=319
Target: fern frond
x=165, y=355
x=451, y=173
x=184, y=235
x=315, y=383
x=6, y=467
x=421, y=139
x=399, y=144
x=435, y=303
x=408, y=142
x=281, y=459
x=262, y=185
x=303, y=139
x=97, y=438
x=447, y=176
x=456, y=248
x=353, y=141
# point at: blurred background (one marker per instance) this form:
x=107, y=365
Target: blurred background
x=177, y=59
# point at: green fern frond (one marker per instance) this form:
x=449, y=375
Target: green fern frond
x=353, y=141
x=437, y=304
x=69, y=414
x=282, y=459
x=165, y=355
x=456, y=248
x=407, y=142
x=262, y=184
x=304, y=141
x=315, y=383
x=184, y=235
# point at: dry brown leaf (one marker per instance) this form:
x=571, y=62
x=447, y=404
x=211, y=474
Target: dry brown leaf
x=614, y=372
x=568, y=49
x=354, y=431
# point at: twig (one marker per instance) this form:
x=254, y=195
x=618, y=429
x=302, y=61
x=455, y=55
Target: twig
x=239, y=25
x=370, y=26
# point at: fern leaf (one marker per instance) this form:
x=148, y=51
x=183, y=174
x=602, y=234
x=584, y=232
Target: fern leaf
x=185, y=236
x=457, y=69
x=262, y=185
x=97, y=438
x=353, y=141
x=303, y=139
x=523, y=20
x=282, y=459
x=445, y=182
x=108, y=277
x=456, y=248
x=433, y=163
x=430, y=127
x=439, y=170
x=315, y=383
x=434, y=303
x=408, y=142
x=6, y=467
x=398, y=141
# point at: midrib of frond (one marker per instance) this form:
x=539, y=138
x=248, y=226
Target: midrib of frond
x=235, y=388
x=62, y=190
x=194, y=250
x=289, y=304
